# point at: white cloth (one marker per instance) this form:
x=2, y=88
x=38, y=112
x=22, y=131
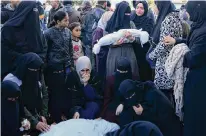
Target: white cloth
x=13, y=78
x=176, y=71
x=81, y=127
x=111, y=39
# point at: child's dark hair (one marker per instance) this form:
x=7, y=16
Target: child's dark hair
x=58, y=16
x=73, y=25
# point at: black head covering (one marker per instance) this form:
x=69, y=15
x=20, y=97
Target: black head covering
x=132, y=93
x=140, y=21
x=10, y=109
x=28, y=60
x=164, y=7
x=119, y=20
x=10, y=89
x=28, y=69
x=196, y=10
x=124, y=71
x=26, y=16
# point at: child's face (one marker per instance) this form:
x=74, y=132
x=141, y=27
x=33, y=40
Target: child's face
x=64, y=23
x=76, y=32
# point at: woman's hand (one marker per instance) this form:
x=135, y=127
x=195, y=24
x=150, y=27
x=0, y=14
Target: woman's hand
x=168, y=40
x=138, y=110
x=76, y=115
x=42, y=127
x=26, y=124
x=119, y=109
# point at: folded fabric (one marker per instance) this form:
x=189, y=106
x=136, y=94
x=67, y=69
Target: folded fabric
x=176, y=71
x=81, y=127
x=111, y=39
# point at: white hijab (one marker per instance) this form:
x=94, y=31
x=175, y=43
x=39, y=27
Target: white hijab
x=83, y=62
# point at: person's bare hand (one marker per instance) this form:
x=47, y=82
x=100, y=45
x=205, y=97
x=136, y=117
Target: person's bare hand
x=168, y=40
x=128, y=34
x=76, y=115
x=138, y=110
x=42, y=127
x=98, y=118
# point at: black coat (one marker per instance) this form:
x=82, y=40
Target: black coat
x=21, y=34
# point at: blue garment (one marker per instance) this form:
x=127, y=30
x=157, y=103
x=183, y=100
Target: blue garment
x=137, y=128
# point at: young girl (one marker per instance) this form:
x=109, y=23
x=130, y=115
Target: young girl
x=76, y=42
x=60, y=62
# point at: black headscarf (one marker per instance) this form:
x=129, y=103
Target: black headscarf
x=10, y=109
x=28, y=69
x=196, y=10
x=119, y=20
x=143, y=21
x=137, y=128
x=123, y=72
x=164, y=7
x=132, y=93
x=26, y=16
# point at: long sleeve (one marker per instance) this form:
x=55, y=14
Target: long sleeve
x=43, y=55
x=7, y=38
x=33, y=119
x=149, y=26
x=196, y=57
x=71, y=51
x=8, y=53
x=149, y=111
x=97, y=34
x=49, y=44
x=178, y=40
x=45, y=98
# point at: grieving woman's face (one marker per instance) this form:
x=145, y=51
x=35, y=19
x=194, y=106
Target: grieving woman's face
x=140, y=9
x=84, y=72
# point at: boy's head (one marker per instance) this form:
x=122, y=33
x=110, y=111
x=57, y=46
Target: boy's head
x=75, y=28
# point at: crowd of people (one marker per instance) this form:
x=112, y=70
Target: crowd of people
x=52, y=72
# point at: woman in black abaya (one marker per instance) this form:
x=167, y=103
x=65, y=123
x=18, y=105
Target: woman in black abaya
x=142, y=21
x=21, y=34
x=121, y=20
x=27, y=74
x=195, y=60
